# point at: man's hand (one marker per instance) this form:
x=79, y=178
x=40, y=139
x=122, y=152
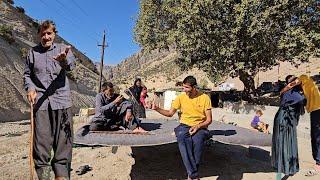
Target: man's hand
x=287, y=88
x=153, y=105
x=118, y=99
x=32, y=96
x=290, y=86
x=63, y=55
x=193, y=129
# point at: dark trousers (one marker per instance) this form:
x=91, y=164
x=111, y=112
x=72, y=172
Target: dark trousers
x=315, y=135
x=113, y=120
x=191, y=147
x=113, y=124
x=53, y=132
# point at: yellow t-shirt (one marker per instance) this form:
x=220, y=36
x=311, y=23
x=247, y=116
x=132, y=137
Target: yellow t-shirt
x=311, y=92
x=192, y=109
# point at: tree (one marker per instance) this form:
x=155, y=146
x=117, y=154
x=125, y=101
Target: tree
x=203, y=83
x=232, y=38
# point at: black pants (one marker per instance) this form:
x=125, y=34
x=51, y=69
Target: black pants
x=113, y=119
x=113, y=124
x=53, y=131
x=315, y=135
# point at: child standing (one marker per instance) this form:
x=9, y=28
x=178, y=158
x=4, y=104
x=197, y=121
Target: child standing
x=143, y=96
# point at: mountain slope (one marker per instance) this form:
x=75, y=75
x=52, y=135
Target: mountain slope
x=14, y=43
x=157, y=70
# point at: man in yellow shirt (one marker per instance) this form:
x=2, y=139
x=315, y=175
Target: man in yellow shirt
x=195, y=118
x=312, y=94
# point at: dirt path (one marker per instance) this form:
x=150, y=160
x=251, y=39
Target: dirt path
x=220, y=161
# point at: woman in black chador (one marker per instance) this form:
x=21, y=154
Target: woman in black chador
x=284, y=155
x=134, y=93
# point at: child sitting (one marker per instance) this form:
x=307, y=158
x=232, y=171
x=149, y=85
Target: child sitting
x=259, y=125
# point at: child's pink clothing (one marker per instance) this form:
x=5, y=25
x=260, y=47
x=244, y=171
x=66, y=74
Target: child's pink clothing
x=143, y=96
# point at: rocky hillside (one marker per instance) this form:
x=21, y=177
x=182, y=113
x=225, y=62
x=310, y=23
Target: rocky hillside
x=159, y=71
x=18, y=33
x=156, y=69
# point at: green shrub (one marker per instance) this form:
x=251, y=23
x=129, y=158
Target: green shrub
x=24, y=52
x=72, y=75
x=10, y=2
x=6, y=33
x=203, y=83
x=20, y=9
x=35, y=24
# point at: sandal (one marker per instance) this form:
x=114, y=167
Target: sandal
x=312, y=172
x=83, y=169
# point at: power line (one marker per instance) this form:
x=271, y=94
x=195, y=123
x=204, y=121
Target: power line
x=95, y=34
x=57, y=11
x=83, y=11
x=79, y=20
x=67, y=11
x=68, y=20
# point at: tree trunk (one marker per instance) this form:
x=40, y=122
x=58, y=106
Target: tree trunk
x=248, y=82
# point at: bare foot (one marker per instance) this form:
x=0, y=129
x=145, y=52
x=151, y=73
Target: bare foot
x=139, y=130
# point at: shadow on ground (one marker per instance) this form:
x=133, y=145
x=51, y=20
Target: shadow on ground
x=226, y=162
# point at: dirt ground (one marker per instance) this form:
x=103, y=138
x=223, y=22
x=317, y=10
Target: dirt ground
x=220, y=161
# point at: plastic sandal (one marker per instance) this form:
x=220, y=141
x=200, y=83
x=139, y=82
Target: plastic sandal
x=312, y=172
x=83, y=169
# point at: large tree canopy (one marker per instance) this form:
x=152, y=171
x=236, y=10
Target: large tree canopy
x=231, y=37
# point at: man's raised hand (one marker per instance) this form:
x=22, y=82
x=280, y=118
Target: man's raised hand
x=63, y=55
x=118, y=99
x=153, y=105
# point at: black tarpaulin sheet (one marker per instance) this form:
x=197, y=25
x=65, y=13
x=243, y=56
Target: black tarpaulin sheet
x=161, y=132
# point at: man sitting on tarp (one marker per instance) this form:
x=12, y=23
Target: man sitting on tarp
x=113, y=112
x=195, y=118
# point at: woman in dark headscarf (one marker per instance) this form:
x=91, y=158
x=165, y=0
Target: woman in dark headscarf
x=134, y=93
x=284, y=155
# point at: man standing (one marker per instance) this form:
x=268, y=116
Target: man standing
x=195, y=118
x=113, y=112
x=48, y=90
x=312, y=94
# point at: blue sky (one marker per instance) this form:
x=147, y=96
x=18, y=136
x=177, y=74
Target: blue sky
x=81, y=22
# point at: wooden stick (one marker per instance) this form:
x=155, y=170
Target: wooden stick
x=31, y=163
x=132, y=96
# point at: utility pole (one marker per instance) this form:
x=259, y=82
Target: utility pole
x=103, y=46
